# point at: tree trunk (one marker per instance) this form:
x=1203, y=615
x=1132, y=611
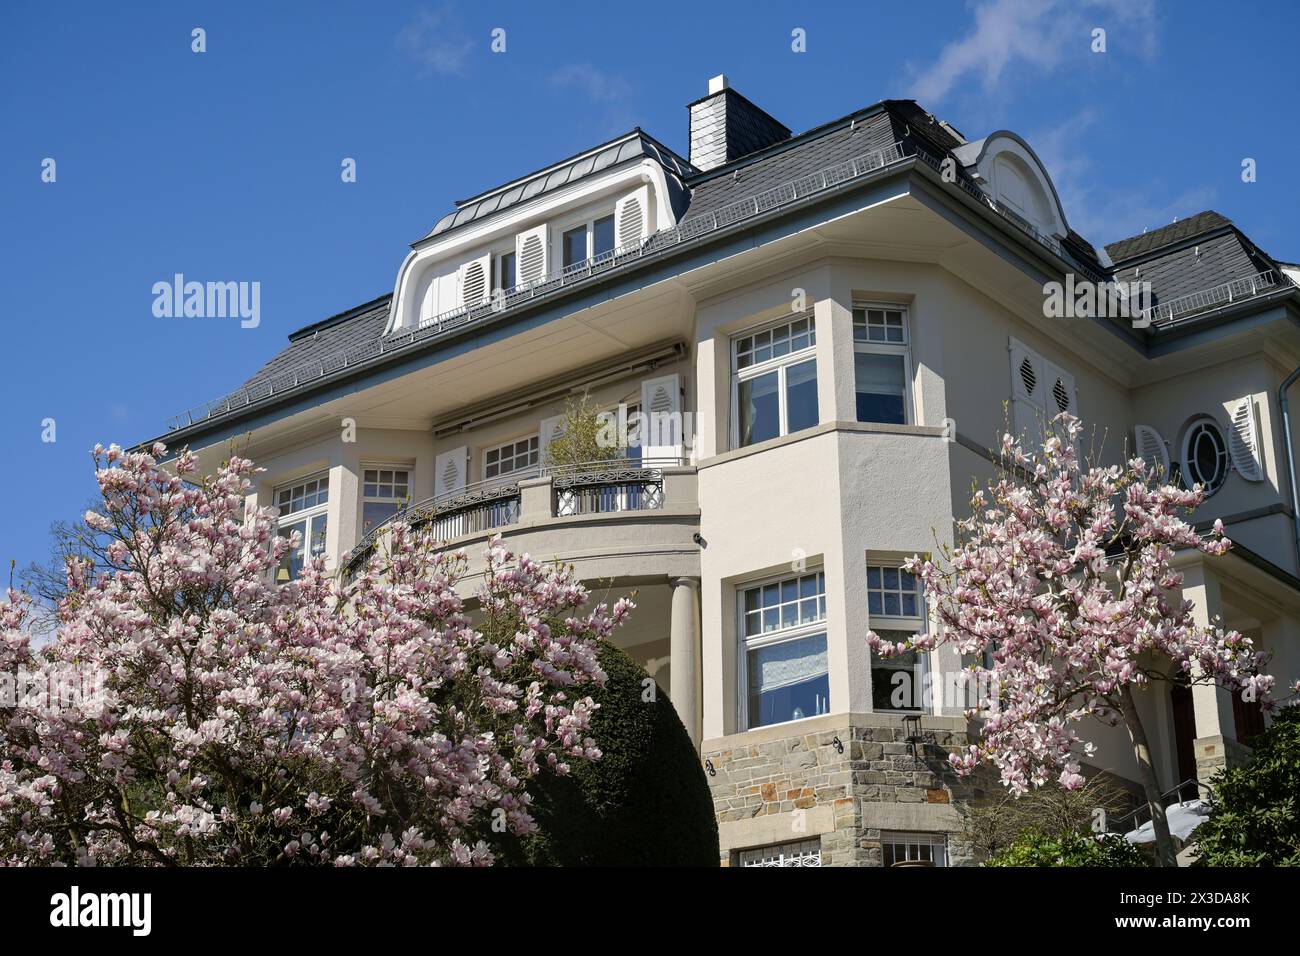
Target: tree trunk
x=1166, y=855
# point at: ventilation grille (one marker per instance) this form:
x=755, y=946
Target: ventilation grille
x=1028, y=376
x=532, y=259
x=661, y=401
x=450, y=475
x=631, y=224
x=1062, y=395
x=474, y=286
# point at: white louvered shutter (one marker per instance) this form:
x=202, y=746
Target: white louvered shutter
x=1243, y=442
x=1150, y=445
x=661, y=406
x=532, y=255
x=449, y=471
x=475, y=279
x=1028, y=386
x=550, y=428
x=632, y=218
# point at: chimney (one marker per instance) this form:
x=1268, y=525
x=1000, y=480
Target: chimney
x=726, y=126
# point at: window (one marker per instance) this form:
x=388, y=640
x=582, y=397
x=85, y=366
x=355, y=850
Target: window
x=510, y=457
x=383, y=493
x=505, y=271
x=775, y=381
x=803, y=853
x=1205, y=455
x=897, y=612
x=880, y=364
x=784, y=671
x=925, y=848
x=303, y=509
x=593, y=239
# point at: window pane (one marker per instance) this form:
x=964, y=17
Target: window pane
x=880, y=388
x=801, y=396
x=374, y=513
x=603, y=235
x=507, y=271
x=575, y=245
x=897, y=683
x=759, y=410
x=788, y=681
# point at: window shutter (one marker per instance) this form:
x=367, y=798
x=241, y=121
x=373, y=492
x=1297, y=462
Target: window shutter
x=1028, y=385
x=550, y=428
x=532, y=259
x=632, y=218
x=661, y=406
x=1152, y=448
x=474, y=277
x=449, y=471
x=1243, y=441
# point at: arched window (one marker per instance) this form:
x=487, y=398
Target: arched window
x=1205, y=455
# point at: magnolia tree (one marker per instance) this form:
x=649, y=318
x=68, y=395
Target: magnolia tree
x=225, y=720
x=1062, y=576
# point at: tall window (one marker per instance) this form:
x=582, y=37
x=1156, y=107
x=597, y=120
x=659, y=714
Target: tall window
x=783, y=629
x=302, y=507
x=897, y=612
x=383, y=493
x=774, y=375
x=511, y=457
x=896, y=848
x=880, y=364
x=505, y=269
x=593, y=239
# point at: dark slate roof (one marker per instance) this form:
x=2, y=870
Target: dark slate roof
x=873, y=128
x=1199, y=224
x=629, y=147
x=326, y=340
x=1195, y=254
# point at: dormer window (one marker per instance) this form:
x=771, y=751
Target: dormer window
x=503, y=269
x=591, y=240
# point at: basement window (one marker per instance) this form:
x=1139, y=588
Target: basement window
x=802, y=853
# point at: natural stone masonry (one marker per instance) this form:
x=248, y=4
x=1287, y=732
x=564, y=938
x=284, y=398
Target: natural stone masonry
x=793, y=782
x=1214, y=754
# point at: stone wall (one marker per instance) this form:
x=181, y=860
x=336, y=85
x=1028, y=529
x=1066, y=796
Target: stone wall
x=795, y=782
x=1215, y=753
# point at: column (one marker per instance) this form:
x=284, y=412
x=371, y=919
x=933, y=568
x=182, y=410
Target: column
x=1211, y=704
x=684, y=653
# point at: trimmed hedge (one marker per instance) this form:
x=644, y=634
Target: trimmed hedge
x=646, y=802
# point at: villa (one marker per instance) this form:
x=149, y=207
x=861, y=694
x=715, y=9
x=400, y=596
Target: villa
x=823, y=335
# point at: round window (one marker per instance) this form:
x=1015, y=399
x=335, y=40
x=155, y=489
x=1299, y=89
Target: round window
x=1205, y=455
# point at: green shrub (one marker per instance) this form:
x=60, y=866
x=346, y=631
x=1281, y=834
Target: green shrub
x=646, y=802
x=1034, y=848
x=1256, y=816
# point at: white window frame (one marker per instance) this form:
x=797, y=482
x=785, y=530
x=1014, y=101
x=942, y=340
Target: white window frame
x=913, y=624
x=498, y=260
x=306, y=515
x=937, y=842
x=1193, y=427
x=795, y=853
x=381, y=466
x=903, y=348
x=796, y=632
x=589, y=223
x=535, y=451
x=779, y=364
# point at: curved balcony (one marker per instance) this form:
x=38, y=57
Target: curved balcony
x=614, y=518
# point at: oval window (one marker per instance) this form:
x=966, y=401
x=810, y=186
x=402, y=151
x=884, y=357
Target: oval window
x=1205, y=455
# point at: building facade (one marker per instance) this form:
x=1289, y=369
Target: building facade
x=815, y=340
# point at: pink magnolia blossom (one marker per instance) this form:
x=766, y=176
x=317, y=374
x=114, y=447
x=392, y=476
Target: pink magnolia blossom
x=375, y=721
x=1063, y=576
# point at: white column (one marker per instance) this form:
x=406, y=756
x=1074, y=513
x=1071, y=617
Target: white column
x=684, y=654
x=1211, y=704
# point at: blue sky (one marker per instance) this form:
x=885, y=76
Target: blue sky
x=225, y=165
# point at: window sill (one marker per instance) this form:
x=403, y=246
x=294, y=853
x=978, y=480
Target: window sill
x=825, y=428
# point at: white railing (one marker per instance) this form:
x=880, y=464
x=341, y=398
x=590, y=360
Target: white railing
x=1220, y=295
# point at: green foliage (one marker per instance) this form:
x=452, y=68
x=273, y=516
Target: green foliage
x=1070, y=848
x=646, y=802
x=1256, y=815
x=994, y=824
x=583, y=437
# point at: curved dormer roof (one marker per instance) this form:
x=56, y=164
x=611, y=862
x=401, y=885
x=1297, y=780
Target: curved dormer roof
x=1012, y=174
x=632, y=146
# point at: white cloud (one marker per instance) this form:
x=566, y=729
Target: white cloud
x=592, y=82
x=432, y=40
x=1040, y=33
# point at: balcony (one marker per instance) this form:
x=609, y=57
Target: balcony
x=555, y=512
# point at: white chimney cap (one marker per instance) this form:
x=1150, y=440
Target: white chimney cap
x=718, y=83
